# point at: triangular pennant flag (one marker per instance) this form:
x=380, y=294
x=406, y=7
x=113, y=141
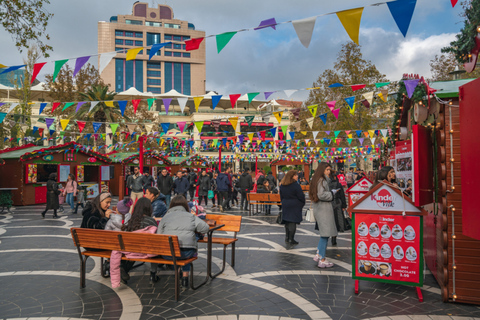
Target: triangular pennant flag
x=215, y=100
x=366, y=134
x=359, y=133
x=331, y=105
x=369, y=97
x=79, y=63
x=181, y=125
x=122, y=104
x=105, y=59
x=193, y=44
x=216, y=124
x=154, y=49
x=110, y=103
x=361, y=140
x=233, y=99
x=197, y=101
x=284, y=130
x=52, y=132
x=251, y=96
x=233, y=122
x=278, y=115
x=385, y=94
x=356, y=87
x=352, y=110
x=267, y=23
x=199, y=125
x=262, y=135
x=336, y=133
x=335, y=112
x=2, y=116
x=350, y=101
x=268, y=94
x=58, y=65
x=382, y=97
x=454, y=2
x=81, y=125
x=349, y=140
x=165, y=126
x=384, y=132
x=335, y=85
x=79, y=105
x=55, y=105
x=402, y=12
x=250, y=136
x=223, y=39
x=131, y=128
x=288, y=93
x=249, y=120
x=96, y=126
x=240, y=139
x=67, y=105
x=166, y=103
x=49, y=122
x=381, y=84
x=373, y=140
x=315, y=133
x=292, y=135
x=132, y=53
x=313, y=109
x=92, y=105
x=64, y=123
x=366, y=103
x=327, y=141
x=135, y=104
x=310, y=122
x=114, y=127
x=304, y=29
x=148, y=127
x=410, y=86
x=150, y=103
x=182, y=102
x=12, y=68
x=36, y=69
x=273, y=131
x=350, y=20
x=323, y=117
x=266, y=118
x=371, y=133
x=42, y=106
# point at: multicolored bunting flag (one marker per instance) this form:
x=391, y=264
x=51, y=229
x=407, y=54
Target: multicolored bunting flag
x=12, y=68
x=350, y=20
x=2, y=116
x=267, y=23
x=356, y=87
x=182, y=102
x=215, y=100
x=93, y=105
x=181, y=125
x=216, y=124
x=42, y=106
x=369, y=97
x=197, y=101
x=49, y=122
x=313, y=109
x=410, y=86
x=273, y=131
x=36, y=69
x=304, y=29
x=79, y=63
x=323, y=117
x=252, y=96
x=284, y=130
x=122, y=105
x=79, y=104
x=336, y=133
x=336, y=112
x=249, y=120
x=250, y=136
x=315, y=133
x=233, y=99
x=268, y=94
x=154, y=49
x=278, y=115
x=135, y=103
x=105, y=59
x=350, y=101
x=55, y=105
x=64, y=123
x=114, y=127
x=335, y=85
x=352, y=110
x=359, y=133
x=199, y=125
x=310, y=122
x=96, y=126
x=58, y=65
x=381, y=84
x=233, y=122
x=331, y=105
x=223, y=39
x=132, y=53
x=402, y=12
x=288, y=93
x=193, y=44
x=110, y=103
x=67, y=105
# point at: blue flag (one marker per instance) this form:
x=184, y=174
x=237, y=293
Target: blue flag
x=323, y=117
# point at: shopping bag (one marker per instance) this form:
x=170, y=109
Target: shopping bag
x=309, y=215
x=210, y=194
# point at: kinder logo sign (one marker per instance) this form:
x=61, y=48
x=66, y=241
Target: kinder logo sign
x=384, y=199
x=364, y=185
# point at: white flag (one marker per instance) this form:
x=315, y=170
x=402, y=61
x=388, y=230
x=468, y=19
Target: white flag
x=105, y=59
x=304, y=29
x=182, y=102
x=93, y=104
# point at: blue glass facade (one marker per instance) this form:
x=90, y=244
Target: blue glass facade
x=128, y=74
x=178, y=77
x=153, y=38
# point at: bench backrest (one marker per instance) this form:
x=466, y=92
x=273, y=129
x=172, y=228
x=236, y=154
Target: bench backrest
x=274, y=197
x=305, y=187
x=232, y=223
x=257, y=196
x=158, y=244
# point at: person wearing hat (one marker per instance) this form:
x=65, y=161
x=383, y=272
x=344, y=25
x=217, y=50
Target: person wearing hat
x=120, y=216
x=97, y=212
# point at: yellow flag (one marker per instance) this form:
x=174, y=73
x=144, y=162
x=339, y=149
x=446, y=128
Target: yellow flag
x=350, y=135
x=250, y=136
x=197, y=101
x=2, y=66
x=304, y=132
x=233, y=122
x=108, y=103
x=352, y=110
x=385, y=139
x=382, y=97
x=132, y=53
x=350, y=20
x=278, y=115
x=313, y=110
x=64, y=123
x=372, y=133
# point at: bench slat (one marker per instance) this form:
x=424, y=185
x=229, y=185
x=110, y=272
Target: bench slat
x=231, y=223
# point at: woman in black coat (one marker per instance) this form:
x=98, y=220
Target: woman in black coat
x=97, y=212
x=52, y=195
x=339, y=203
x=203, y=186
x=293, y=201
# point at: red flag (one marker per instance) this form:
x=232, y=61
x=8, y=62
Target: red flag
x=262, y=134
x=193, y=44
x=356, y=87
x=55, y=105
x=135, y=105
x=233, y=99
x=36, y=69
x=40, y=131
x=81, y=125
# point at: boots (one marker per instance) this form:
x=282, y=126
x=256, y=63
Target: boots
x=185, y=281
x=287, y=234
x=153, y=277
x=55, y=214
x=43, y=214
x=334, y=241
x=292, y=227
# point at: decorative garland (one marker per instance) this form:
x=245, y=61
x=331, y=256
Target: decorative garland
x=147, y=155
x=70, y=145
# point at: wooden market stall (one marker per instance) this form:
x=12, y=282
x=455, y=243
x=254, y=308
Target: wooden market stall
x=197, y=162
x=27, y=168
x=290, y=160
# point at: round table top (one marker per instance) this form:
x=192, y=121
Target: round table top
x=8, y=189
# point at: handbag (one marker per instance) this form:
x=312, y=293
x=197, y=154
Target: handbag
x=210, y=194
x=280, y=217
x=309, y=215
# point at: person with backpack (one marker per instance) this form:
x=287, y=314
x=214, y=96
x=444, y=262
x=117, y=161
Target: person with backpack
x=271, y=179
x=70, y=191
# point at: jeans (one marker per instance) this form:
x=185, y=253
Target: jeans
x=322, y=247
x=223, y=198
x=244, y=200
x=168, y=198
x=69, y=200
x=185, y=254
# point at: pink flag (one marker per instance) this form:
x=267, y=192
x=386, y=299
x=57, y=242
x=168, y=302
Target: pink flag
x=181, y=125
x=331, y=105
x=335, y=112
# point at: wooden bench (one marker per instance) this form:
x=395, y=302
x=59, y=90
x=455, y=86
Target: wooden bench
x=274, y=199
x=305, y=188
x=101, y=243
x=231, y=224
x=256, y=199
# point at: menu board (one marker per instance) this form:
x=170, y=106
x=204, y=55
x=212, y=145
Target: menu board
x=31, y=173
x=388, y=248
x=404, y=161
x=105, y=173
x=64, y=172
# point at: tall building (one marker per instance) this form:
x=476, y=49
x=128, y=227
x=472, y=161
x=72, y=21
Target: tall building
x=171, y=68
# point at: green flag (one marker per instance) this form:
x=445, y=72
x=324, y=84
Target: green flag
x=150, y=103
x=349, y=141
x=336, y=133
x=284, y=130
x=223, y=39
x=68, y=104
x=199, y=125
x=249, y=120
x=251, y=96
x=381, y=84
x=58, y=65
x=114, y=127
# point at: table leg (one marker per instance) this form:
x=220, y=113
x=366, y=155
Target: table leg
x=419, y=294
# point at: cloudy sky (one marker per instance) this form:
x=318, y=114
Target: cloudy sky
x=266, y=60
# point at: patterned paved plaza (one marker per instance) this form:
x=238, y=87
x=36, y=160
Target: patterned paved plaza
x=39, y=279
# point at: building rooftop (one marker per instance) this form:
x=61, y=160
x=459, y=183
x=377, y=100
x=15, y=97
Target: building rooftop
x=449, y=89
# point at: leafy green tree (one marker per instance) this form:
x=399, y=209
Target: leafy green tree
x=443, y=64
x=26, y=21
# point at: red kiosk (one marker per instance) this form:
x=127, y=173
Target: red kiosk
x=358, y=190
x=387, y=238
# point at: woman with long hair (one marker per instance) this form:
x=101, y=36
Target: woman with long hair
x=97, y=212
x=322, y=198
x=386, y=173
x=293, y=201
x=70, y=191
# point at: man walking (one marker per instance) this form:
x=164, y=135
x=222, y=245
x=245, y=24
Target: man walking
x=192, y=180
x=350, y=178
x=246, y=185
x=148, y=180
x=223, y=185
x=135, y=183
x=181, y=185
x=165, y=185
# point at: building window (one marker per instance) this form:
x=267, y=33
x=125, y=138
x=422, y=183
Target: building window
x=152, y=73
x=154, y=89
x=169, y=46
x=154, y=65
x=119, y=49
x=153, y=38
x=191, y=26
x=177, y=38
x=136, y=22
x=128, y=74
x=129, y=42
x=177, y=46
x=177, y=76
x=168, y=53
x=155, y=82
x=153, y=24
x=138, y=34
x=172, y=26
x=186, y=54
x=119, y=33
x=128, y=34
x=119, y=41
x=177, y=54
x=185, y=38
x=138, y=43
x=168, y=37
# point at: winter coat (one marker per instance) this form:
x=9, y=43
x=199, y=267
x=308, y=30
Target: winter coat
x=179, y=222
x=116, y=222
x=136, y=183
x=52, y=195
x=281, y=175
x=71, y=187
x=116, y=258
x=181, y=186
x=148, y=181
x=245, y=182
x=92, y=219
x=223, y=182
x=339, y=203
x=192, y=179
x=260, y=180
x=203, y=185
x=293, y=201
x=271, y=180
x=323, y=210
x=165, y=184
x=159, y=206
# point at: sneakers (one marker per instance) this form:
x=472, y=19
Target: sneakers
x=316, y=258
x=324, y=264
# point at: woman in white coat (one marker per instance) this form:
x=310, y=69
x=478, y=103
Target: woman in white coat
x=322, y=199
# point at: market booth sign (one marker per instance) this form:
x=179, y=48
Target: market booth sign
x=358, y=190
x=48, y=157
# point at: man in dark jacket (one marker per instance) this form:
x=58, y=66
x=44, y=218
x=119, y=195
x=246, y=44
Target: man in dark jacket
x=223, y=185
x=181, y=185
x=246, y=185
x=192, y=179
x=271, y=179
x=165, y=185
x=136, y=183
x=148, y=180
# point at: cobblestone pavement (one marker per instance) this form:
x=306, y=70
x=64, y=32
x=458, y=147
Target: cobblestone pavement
x=39, y=279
